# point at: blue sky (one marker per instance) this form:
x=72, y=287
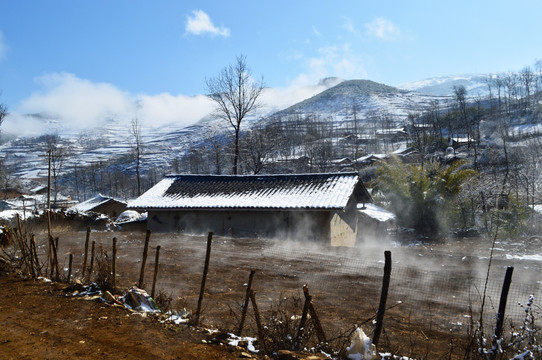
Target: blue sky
x=150, y=58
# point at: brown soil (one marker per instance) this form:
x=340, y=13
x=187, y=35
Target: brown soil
x=40, y=321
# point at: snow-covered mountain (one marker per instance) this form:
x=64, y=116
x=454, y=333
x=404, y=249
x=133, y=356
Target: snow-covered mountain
x=333, y=98
x=362, y=96
x=476, y=85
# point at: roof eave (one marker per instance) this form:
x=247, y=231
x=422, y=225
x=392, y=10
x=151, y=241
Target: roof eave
x=141, y=208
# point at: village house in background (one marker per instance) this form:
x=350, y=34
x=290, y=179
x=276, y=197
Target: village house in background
x=304, y=207
x=102, y=205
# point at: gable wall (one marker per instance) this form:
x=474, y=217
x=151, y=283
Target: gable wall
x=111, y=208
x=344, y=226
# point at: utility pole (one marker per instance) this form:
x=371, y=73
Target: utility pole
x=49, y=195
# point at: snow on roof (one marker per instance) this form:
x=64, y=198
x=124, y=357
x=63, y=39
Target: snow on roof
x=305, y=191
x=341, y=160
x=390, y=131
x=376, y=212
x=93, y=203
x=371, y=157
x=38, y=188
x=404, y=151
x=461, y=139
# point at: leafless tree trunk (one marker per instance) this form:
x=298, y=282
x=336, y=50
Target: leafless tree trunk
x=3, y=113
x=527, y=79
x=235, y=94
x=57, y=153
x=460, y=94
x=137, y=147
x=510, y=81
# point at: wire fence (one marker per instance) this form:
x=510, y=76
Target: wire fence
x=435, y=296
x=452, y=298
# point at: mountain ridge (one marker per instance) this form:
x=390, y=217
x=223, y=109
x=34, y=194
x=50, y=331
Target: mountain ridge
x=167, y=143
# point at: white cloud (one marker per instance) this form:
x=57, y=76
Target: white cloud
x=315, y=31
x=200, y=23
x=275, y=99
x=349, y=26
x=163, y=109
x=333, y=61
x=78, y=104
x=383, y=29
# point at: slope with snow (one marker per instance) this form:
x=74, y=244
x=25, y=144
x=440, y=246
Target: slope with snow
x=112, y=142
x=475, y=84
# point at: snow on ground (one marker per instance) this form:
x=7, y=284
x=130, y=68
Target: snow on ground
x=130, y=216
x=9, y=214
x=535, y=257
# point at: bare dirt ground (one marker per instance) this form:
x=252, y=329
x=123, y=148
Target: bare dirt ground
x=39, y=321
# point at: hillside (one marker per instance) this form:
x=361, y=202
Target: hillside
x=443, y=85
x=111, y=142
x=345, y=94
x=100, y=159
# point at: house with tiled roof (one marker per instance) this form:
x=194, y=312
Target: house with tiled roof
x=303, y=206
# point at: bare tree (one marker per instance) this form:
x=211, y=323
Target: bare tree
x=235, y=94
x=3, y=169
x=498, y=81
x=3, y=113
x=137, y=148
x=488, y=80
x=57, y=153
x=258, y=147
x=538, y=80
x=460, y=94
x=527, y=78
x=511, y=83
x=214, y=149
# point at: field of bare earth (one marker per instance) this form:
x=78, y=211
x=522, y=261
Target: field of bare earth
x=434, y=294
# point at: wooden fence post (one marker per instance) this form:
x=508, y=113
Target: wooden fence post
x=91, y=260
x=156, y=262
x=51, y=257
x=114, y=264
x=383, y=297
x=302, y=322
x=53, y=244
x=314, y=316
x=502, y=305
x=70, y=268
x=258, y=320
x=144, y=260
x=35, y=255
x=204, y=277
x=86, y=253
x=245, y=306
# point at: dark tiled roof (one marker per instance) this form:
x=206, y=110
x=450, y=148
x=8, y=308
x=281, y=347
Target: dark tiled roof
x=304, y=191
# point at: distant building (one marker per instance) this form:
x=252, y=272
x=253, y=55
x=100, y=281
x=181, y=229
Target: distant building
x=307, y=206
x=371, y=158
x=102, y=205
